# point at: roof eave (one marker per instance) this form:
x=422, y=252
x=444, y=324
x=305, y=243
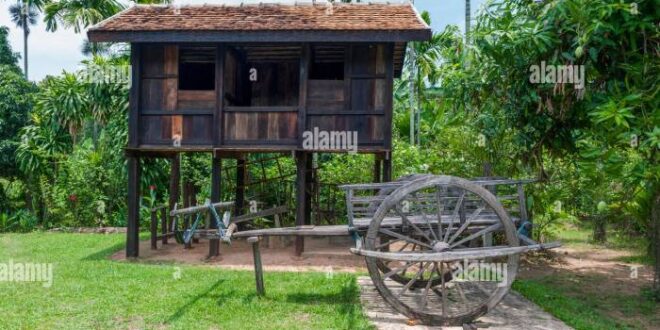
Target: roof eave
x=98, y=35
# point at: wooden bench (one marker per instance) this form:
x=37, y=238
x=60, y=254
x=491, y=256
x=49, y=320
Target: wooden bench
x=362, y=201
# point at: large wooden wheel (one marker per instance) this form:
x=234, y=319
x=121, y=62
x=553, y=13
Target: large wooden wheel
x=441, y=250
x=402, y=277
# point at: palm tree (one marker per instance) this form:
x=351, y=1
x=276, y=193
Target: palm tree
x=79, y=14
x=95, y=48
x=24, y=14
x=422, y=65
x=468, y=18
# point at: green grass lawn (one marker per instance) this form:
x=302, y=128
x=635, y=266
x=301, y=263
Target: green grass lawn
x=563, y=298
x=91, y=292
x=571, y=296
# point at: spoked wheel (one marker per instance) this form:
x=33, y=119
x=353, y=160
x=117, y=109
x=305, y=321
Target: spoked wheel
x=404, y=276
x=440, y=250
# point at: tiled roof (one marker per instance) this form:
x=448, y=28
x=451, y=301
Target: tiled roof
x=266, y=17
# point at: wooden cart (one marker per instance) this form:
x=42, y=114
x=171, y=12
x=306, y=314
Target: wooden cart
x=439, y=249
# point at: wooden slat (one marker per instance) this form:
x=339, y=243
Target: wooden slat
x=260, y=214
x=201, y=208
x=303, y=91
x=388, y=108
x=333, y=230
x=469, y=254
x=262, y=109
x=219, y=95
x=134, y=99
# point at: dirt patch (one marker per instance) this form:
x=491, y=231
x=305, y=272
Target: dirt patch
x=596, y=274
x=594, y=262
x=321, y=254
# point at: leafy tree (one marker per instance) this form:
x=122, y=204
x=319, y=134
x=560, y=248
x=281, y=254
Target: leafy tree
x=611, y=125
x=80, y=14
x=421, y=68
x=7, y=56
x=15, y=102
x=95, y=48
x=65, y=100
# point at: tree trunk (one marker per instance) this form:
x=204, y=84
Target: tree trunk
x=487, y=169
x=95, y=134
x=655, y=223
x=468, y=22
x=600, y=228
x=25, y=42
x=411, y=94
x=28, y=201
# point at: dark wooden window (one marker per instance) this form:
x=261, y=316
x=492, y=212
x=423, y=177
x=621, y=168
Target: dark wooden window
x=325, y=89
x=197, y=68
x=327, y=63
x=262, y=75
x=367, y=78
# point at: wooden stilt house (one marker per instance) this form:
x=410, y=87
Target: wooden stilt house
x=233, y=80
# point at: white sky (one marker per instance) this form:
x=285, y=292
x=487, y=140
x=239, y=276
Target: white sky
x=51, y=52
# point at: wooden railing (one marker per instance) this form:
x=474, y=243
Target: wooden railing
x=166, y=231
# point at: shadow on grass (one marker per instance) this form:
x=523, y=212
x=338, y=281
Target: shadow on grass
x=348, y=295
x=183, y=309
x=105, y=253
x=347, y=301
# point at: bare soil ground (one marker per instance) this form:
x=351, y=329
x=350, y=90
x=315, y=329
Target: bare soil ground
x=597, y=274
x=590, y=262
x=321, y=254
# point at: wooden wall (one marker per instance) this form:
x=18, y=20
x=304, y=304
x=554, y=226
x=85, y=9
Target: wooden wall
x=165, y=112
x=266, y=111
x=361, y=101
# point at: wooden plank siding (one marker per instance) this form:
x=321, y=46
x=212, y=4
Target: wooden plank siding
x=165, y=111
x=272, y=111
x=364, y=103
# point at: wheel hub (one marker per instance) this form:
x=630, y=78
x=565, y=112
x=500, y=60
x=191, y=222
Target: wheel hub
x=440, y=246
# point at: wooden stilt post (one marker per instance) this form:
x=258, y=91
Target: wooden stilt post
x=154, y=229
x=216, y=176
x=186, y=204
x=175, y=170
x=301, y=192
x=378, y=164
x=240, y=184
x=192, y=195
x=387, y=168
x=163, y=224
x=301, y=156
x=133, y=228
x=258, y=269
x=309, y=179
